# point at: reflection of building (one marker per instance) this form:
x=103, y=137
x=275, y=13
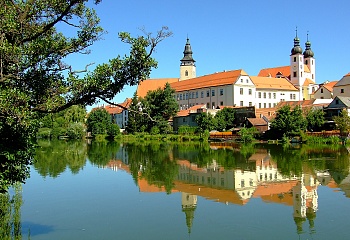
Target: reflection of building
x=189, y=205
x=305, y=201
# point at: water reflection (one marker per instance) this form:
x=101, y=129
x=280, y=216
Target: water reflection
x=227, y=174
x=235, y=174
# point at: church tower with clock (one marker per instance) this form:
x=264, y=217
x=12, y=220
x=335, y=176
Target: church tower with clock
x=187, y=66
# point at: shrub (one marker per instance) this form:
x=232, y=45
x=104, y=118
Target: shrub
x=76, y=130
x=44, y=133
x=58, y=132
x=113, y=130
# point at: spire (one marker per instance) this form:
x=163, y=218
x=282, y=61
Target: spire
x=187, y=59
x=296, y=49
x=308, y=52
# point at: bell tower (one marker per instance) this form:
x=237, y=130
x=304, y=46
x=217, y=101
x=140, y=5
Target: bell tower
x=309, y=59
x=297, y=77
x=187, y=66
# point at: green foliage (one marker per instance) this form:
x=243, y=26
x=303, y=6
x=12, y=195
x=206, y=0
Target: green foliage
x=185, y=129
x=247, y=134
x=98, y=121
x=35, y=78
x=205, y=121
x=342, y=122
x=154, y=110
x=288, y=122
x=10, y=214
x=44, y=133
x=76, y=130
x=154, y=130
x=113, y=130
x=224, y=119
x=54, y=157
x=315, y=119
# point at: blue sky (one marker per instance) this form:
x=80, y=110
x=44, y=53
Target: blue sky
x=228, y=34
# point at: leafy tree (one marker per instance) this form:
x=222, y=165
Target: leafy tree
x=35, y=79
x=315, y=119
x=98, y=121
x=342, y=122
x=225, y=119
x=113, y=130
x=288, y=122
x=161, y=107
x=247, y=134
x=205, y=121
x=154, y=110
x=76, y=130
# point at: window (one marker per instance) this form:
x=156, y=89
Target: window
x=269, y=105
x=186, y=73
x=213, y=105
x=212, y=93
x=193, y=118
x=259, y=94
x=186, y=96
x=242, y=183
x=312, y=76
x=306, y=62
x=247, y=81
x=197, y=94
x=269, y=95
x=294, y=59
x=249, y=91
x=337, y=101
x=221, y=103
x=264, y=105
x=183, y=119
x=294, y=74
x=301, y=74
x=241, y=80
x=208, y=105
x=207, y=93
x=241, y=91
x=250, y=104
x=202, y=94
x=342, y=90
x=259, y=105
x=180, y=96
x=221, y=92
x=321, y=90
x=274, y=95
x=264, y=94
x=241, y=103
x=291, y=96
x=192, y=94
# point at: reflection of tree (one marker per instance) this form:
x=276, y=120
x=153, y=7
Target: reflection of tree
x=53, y=157
x=299, y=223
x=153, y=162
x=100, y=153
x=10, y=214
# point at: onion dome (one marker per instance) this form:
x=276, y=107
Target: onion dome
x=308, y=52
x=296, y=49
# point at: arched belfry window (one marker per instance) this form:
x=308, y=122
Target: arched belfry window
x=186, y=73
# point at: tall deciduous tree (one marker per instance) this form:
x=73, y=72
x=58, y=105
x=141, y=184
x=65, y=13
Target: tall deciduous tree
x=205, y=121
x=342, y=122
x=315, y=119
x=288, y=122
x=35, y=79
x=225, y=119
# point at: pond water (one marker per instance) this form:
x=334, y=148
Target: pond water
x=188, y=191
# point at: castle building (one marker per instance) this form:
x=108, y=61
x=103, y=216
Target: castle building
x=236, y=87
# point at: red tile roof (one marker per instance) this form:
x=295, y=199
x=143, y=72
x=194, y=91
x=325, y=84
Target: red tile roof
x=329, y=86
x=273, y=72
x=257, y=121
x=308, y=81
x=273, y=83
x=112, y=109
x=212, y=80
x=153, y=84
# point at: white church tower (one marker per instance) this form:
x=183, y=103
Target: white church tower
x=187, y=66
x=309, y=59
x=297, y=76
